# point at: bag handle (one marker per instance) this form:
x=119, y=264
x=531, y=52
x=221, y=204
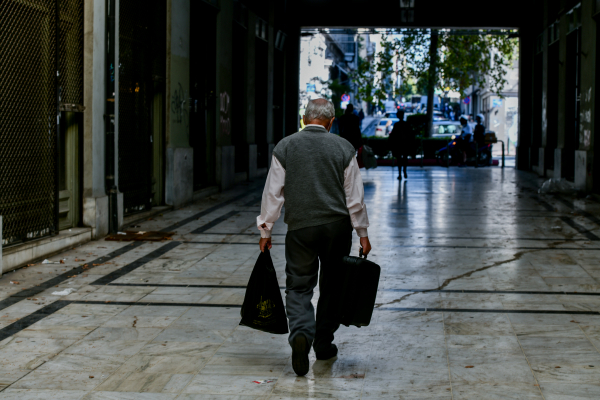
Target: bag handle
x=360, y=254
x=268, y=261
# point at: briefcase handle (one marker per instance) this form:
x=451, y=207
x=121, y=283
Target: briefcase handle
x=360, y=254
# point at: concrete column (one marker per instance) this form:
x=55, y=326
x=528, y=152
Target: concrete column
x=225, y=157
x=120, y=198
x=544, y=127
x=584, y=156
x=250, y=96
x=179, y=182
x=526, y=55
x=562, y=93
x=292, y=74
x=95, y=200
x=270, y=74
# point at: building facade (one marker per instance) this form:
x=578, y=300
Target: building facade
x=114, y=109
x=558, y=92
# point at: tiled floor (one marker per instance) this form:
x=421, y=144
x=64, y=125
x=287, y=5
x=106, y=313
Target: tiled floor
x=488, y=291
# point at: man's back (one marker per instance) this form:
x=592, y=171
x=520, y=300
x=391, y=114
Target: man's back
x=316, y=175
x=314, y=161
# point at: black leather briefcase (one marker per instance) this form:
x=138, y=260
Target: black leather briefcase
x=361, y=279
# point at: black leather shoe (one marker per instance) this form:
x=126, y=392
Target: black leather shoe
x=327, y=354
x=300, y=351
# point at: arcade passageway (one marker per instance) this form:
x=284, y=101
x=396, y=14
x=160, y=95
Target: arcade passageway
x=488, y=291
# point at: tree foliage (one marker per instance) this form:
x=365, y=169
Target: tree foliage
x=479, y=58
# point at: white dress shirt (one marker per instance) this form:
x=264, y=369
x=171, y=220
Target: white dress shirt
x=273, y=198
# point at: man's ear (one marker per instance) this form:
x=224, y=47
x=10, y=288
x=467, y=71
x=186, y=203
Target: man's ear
x=331, y=123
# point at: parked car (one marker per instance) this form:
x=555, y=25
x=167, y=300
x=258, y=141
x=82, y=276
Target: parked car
x=393, y=115
x=439, y=116
x=385, y=126
x=445, y=128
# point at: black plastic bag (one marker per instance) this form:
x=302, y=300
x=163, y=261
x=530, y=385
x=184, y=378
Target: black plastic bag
x=263, y=306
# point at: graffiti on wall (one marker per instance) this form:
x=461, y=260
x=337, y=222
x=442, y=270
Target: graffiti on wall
x=585, y=118
x=224, y=111
x=178, y=107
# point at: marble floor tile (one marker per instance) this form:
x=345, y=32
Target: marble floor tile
x=231, y=365
x=476, y=342
x=570, y=373
x=196, y=396
x=164, y=364
x=496, y=391
x=201, y=321
x=248, y=336
x=146, y=382
x=192, y=334
x=406, y=340
x=180, y=349
x=154, y=311
x=74, y=320
x=318, y=388
x=420, y=354
x=540, y=345
x=585, y=358
x=92, y=309
x=541, y=319
x=254, y=350
x=125, y=297
x=61, y=380
x=98, y=395
x=114, y=347
x=491, y=369
x=55, y=332
x=35, y=345
x=139, y=321
x=36, y=394
x=570, y=331
x=75, y=362
x=400, y=369
x=131, y=333
x=570, y=391
x=9, y=376
x=421, y=389
x=16, y=360
x=231, y=384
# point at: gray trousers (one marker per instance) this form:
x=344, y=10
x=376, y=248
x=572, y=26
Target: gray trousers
x=304, y=248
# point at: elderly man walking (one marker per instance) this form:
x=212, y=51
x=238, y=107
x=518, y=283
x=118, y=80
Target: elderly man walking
x=324, y=200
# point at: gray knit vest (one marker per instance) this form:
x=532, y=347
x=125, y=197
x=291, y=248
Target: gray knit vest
x=314, y=161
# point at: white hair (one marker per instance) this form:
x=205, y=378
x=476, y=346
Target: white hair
x=319, y=109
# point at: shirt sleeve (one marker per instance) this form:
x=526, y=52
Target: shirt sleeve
x=272, y=199
x=355, y=198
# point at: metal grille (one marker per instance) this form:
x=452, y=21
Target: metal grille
x=27, y=118
x=34, y=46
x=70, y=51
x=142, y=67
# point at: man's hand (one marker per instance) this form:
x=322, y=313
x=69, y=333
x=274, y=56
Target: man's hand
x=365, y=244
x=265, y=243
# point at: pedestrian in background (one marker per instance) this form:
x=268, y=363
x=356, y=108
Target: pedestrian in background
x=349, y=125
x=401, y=141
x=324, y=200
x=479, y=131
